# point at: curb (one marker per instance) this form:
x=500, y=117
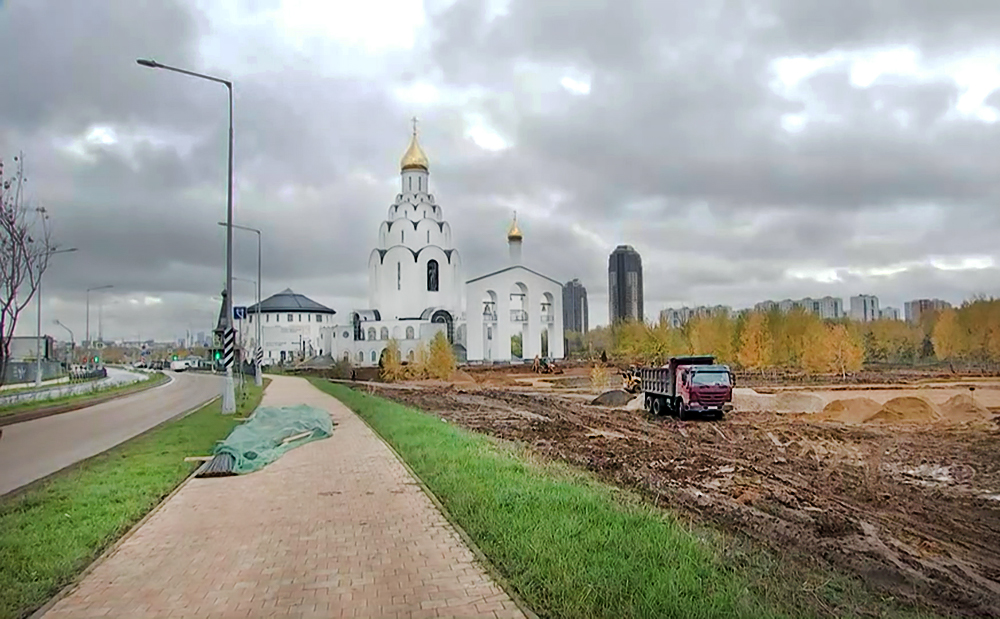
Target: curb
x=7, y=420
x=493, y=572
x=113, y=548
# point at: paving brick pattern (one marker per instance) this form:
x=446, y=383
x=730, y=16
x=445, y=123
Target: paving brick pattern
x=335, y=528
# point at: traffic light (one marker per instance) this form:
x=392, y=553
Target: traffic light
x=218, y=354
x=175, y=357
x=95, y=359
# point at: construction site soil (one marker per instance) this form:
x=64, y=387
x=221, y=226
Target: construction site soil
x=898, y=492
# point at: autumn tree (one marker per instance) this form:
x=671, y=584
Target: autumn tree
x=712, y=335
x=846, y=352
x=392, y=363
x=25, y=249
x=418, y=367
x=947, y=336
x=441, y=358
x=755, y=343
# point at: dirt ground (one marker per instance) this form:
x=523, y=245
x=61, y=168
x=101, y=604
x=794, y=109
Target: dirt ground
x=900, y=486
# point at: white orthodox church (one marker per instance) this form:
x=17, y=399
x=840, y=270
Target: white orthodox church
x=416, y=290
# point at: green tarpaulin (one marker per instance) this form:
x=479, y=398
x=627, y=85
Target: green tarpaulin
x=260, y=441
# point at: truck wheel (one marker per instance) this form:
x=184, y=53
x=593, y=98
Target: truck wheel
x=657, y=406
x=683, y=412
x=719, y=415
x=647, y=403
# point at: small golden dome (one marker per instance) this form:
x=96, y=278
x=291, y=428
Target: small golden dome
x=414, y=157
x=514, y=234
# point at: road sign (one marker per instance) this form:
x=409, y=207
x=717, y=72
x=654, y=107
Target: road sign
x=229, y=348
x=239, y=312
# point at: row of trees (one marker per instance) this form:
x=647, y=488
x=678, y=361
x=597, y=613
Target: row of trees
x=801, y=340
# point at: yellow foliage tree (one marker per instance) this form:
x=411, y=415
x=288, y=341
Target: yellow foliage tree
x=947, y=336
x=417, y=369
x=817, y=355
x=441, y=358
x=712, y=335
x=392, y=363
x=755, y=343
x=846, y=351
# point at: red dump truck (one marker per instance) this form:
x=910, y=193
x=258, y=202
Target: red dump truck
x=688, y=387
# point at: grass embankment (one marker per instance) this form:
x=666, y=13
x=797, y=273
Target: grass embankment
x=51, y=532
x=83, y=399
x=573, y=547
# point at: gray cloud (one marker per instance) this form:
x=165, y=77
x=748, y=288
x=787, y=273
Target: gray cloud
x=678, y=149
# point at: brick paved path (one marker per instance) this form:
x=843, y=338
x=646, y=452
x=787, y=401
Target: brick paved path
x=335, y=528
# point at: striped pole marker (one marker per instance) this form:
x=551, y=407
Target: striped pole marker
x=229, y=348
x=260, y=355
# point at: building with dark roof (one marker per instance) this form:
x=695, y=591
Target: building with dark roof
x=292, y=326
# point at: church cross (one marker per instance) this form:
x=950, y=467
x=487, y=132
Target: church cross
x=414, y=121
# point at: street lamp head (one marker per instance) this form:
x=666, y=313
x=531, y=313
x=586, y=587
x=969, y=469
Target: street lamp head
x=152, y=64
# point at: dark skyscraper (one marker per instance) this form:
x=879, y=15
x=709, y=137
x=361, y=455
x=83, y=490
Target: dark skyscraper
x=625, y=284
x=576, y=315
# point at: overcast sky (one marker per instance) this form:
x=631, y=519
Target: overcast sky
x=748, y=149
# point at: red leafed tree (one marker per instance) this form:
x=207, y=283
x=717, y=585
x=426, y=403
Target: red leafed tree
x=25, y=249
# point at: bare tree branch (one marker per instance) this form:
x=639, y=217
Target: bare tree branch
x=25, y=249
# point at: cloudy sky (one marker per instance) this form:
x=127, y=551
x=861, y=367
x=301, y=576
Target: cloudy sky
x=749, y=149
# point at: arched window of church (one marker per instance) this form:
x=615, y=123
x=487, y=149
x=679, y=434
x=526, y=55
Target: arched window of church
x=411, y=183
x=409, y=333
x=409, y=356
x=399, y=276
x=385, y=333
x=428, y=236
x=432, y=275
x=361, y=356
x=373, y=356
x=371, y=333
x=402, y=236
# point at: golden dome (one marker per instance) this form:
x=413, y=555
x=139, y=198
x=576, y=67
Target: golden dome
x=414, y=157
x=514, y=234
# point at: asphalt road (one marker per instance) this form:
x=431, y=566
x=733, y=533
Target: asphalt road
x=116, y=376
x=34, y=449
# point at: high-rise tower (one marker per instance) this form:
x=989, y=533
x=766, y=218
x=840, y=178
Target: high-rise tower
x=625, y=285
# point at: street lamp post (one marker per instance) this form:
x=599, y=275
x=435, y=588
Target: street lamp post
x=72, y=341
x=228, y=389
x=259, y=330
x=89, y=290
x=38, y=339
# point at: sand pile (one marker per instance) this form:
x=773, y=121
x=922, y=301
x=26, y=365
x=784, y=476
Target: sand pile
x=746, y=399
x=906, y=409
x=963, y=408
x=798, y=402
x=850, y=410
x=461, y=376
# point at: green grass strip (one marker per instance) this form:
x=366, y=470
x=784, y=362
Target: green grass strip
x=82, y=398
x=53, y=531
x=574, y=547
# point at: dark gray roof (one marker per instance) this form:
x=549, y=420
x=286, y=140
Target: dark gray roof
x=288, y=301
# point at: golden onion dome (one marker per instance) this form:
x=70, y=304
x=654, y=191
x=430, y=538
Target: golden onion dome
x=414, y=157
x=514, y=234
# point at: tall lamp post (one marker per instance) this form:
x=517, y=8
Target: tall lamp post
x=38, y=339
x=259, y=333
x=72, y=341
x=228, y=388
x=89, y=290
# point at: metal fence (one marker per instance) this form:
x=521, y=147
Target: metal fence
x=24, y=371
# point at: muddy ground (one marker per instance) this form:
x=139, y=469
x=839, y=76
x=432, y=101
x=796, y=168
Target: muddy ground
x=913, y=509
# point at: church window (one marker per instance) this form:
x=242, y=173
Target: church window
x=489, y=333
x=371, y=333
x=300, y=317
x=361, y=356
x=267, y=318
x=411, y=183
x=399, y=276
x=373, y=356
x=432, y=275
x=409, y=333
x=385, y=333
x=428, y=236
x=402, y=236
x=319, y=317
x=291, y=318
x=346, y=335
x=409, y=356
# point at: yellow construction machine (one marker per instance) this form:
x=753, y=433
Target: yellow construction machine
x=631, y=381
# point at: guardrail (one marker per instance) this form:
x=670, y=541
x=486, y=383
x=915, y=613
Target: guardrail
x=67, y=389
